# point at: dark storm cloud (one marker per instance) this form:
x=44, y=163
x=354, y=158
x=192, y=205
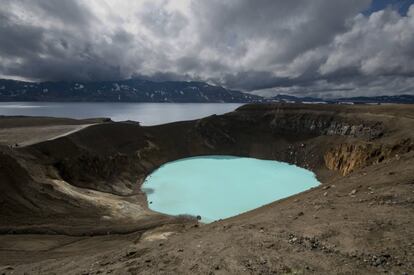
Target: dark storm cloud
x=17, y=39
x=292, y=26
x=256, y=80
x=57, y=40
x=319, y=47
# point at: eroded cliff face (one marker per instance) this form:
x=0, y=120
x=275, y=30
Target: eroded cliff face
x=325, y=124
x=348, y=157
x=344, y=142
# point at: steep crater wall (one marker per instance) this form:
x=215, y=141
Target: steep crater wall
x=113, y=159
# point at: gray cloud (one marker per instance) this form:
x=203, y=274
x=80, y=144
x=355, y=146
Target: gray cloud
x=320, y=47
x=160, y=21
x=73, y=13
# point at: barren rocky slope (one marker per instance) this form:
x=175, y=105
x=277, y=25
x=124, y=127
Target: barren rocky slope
x=88, y=183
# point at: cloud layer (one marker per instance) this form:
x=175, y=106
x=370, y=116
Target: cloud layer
x=320, y=47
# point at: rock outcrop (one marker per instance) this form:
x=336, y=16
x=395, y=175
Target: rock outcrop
x=348, y=157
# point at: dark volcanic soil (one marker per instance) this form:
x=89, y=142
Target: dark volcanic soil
x=74, y=206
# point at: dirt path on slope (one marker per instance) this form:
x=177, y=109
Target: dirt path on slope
x=23, y=131
x=24, y=136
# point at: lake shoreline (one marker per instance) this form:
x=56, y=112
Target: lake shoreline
x=224, y=181
x=147, y=114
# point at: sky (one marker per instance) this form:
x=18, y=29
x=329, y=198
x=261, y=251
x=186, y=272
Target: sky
x=326, y=48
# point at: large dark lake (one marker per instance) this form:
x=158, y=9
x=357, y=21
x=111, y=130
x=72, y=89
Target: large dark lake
x=146, y=113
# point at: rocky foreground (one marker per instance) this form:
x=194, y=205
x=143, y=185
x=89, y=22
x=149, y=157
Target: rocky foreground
x=73, y=205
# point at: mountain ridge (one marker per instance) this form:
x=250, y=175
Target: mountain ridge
x=140, y=90
x=130, y=90
x=401, y=99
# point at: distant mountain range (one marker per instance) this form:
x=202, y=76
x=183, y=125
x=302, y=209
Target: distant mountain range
x=403, y=99
x=131, y=90
x=400, y=99
x=137, y=90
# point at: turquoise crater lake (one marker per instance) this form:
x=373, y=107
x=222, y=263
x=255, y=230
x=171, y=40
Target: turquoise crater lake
x=218, y=187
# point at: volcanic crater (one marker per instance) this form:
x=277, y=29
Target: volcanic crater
x=74, y=204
